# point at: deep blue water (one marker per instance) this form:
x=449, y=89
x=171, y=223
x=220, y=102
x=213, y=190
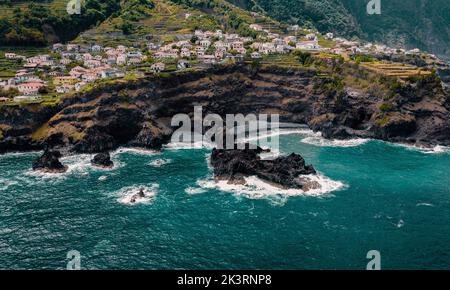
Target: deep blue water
x=392, y=199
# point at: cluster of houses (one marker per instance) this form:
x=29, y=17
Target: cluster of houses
x=213, y=47
x=71, y=67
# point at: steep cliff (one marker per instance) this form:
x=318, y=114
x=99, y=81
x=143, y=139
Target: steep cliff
x=138, y=113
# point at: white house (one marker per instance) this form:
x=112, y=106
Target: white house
x=237, y=45
x=205, y=43
x=185, y=53
x=256, y=27
x=89, y=77
x=165, y=55
x=308, y=45
x=92, y=63
x=10, y=55
x=157, y=67
x=311, y=36
x=79, y=86
x=96, y=48
x=255, y=55
x=23, y=76
x=72, y=47
x=183, y=64
x=121, y=59
x=329, y=35
x=206, y=58
x=30, y=88
x=64, y=89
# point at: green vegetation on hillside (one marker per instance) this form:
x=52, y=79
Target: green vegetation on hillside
x=413, y=23
x=39, y=23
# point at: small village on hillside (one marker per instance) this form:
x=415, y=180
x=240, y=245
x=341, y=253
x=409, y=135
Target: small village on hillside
x=74, y=66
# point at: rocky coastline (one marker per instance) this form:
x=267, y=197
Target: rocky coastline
x=102, y=160
x=138, y=113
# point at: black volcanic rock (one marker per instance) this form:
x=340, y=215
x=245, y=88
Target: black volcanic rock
x=151, y=137
x=102, y=160
x=49, y=162
x=234, y=165
x=102, y=120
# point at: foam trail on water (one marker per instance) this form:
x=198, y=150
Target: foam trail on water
x=316, y=139
x=255, y=188
x=159, y=162
x=194, y=190
x=300, y=129
x=103, y=178
x=425, y=204
x=136, y=151
x=6, y=183
x=438, y=149
x=20, y=154
x=186, y=145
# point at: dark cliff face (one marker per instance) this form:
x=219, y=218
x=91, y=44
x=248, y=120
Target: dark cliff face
x=139, y=113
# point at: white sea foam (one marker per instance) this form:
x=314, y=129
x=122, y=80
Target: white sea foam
x=400, y=224
x=207, y=145
x=316, y=139
x=425, y=204
x=103, y=178
x=136, y=151
x=79, y=164
x=274, y=133
x=127, y=194
x=255, y=188
x=159, y=162
x=438, y=149
x=194, y=190
x=6, y=183
x=186, y=145
x=20, y=154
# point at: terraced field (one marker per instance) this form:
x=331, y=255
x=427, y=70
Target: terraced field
x=8, y=67
x=395, y=69
x=7, y=10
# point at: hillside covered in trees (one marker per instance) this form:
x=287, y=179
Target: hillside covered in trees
x=41, y=22
x=412, y=23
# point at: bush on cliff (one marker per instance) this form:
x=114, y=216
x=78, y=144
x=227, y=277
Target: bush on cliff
x=386, y=107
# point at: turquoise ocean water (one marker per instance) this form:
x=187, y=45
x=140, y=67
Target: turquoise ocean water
x=375, y=196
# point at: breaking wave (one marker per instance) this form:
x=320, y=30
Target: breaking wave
x=136, y=151
x=159, y=162
x=438, y=149
x=186, y=145
x=130, y=195
x=195, y=190
x=255, y=188
x=6, y=183
x=316, y=139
